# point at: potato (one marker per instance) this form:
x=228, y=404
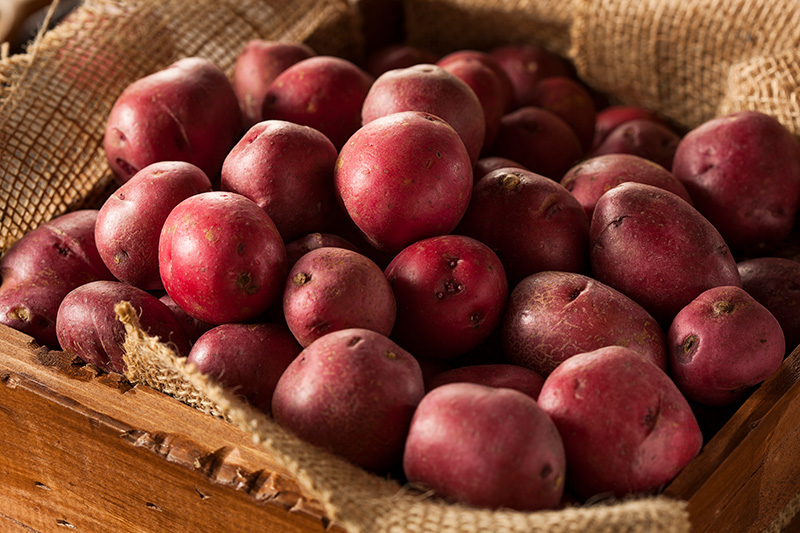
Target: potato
x=539, y=140
x=743, y=173
x=552, y=316
x=705, y=366
x=626, y=427
x=397, y=55
x=248, y=359
x=487, y=87
x=490, y=163
x=260, y=62
x=608, y=118
x=429, y=89
x=129, y=222
x=489, y=61
x=287, y=169
x=302, y=245
x=186, y=112
x=42, y=267
x=643, y=137
x=329, y=289
x=593, y=177
x=497, y=375
x=571, y=101
x=87, y=324
x=531, y=222
x=526, y=65
x=352, y=392
x=323, y=92
x=404, y=177
x=658, y=250
x=193, y=327
x=486, y=447
x=451, y=291
x=221, y=257
x=775, y=283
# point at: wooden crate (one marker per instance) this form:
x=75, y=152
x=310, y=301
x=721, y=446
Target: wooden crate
x=87, y=452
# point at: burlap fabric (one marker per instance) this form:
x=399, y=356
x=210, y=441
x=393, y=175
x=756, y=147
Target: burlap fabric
x=688, y=59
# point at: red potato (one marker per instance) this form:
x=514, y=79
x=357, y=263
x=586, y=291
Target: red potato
x=495, y=375
x=257, y=65
x=330, y=289
x=704, y=364
x=552, y=316
x=592, y=178
x=490, y=163
x=539, y=140
x=654, y=247
x=130, y=220
x=302, y=245
x=429, y=89
x=608, y=118
x=775, y=283
x=404, y=177
x=645, y=138
x=743, y=173
x=323, y=92
x=526, y=65
x=489, y=61
x=248, y=359
x=486, y=447
x=626, y=427
x=398, y=55
x=87, y=324
x=352, y=392
x=489, y=90
x=531, y=222
x=451, y=291
x=186, y=112
x=571, y=101
x=42, y=267
x=221, y=257
x=287, y=169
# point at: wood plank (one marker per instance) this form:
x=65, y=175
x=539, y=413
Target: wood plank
x=94, y=455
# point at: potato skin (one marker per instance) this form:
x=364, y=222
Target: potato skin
x=41, y=268
x=593, y=177
x=87, y=325
x=330, y=289
x=287, y=169
x=302, y=245
x=323, y=92
x=257, y=65
x=221, y=257
x=186, y=112
x=571, y=101
x=743, y=173
x=608, y=118
x=526, y=65
x=129, y=222
x=497, y=375
x=531, y=222
x=658, y=250
x=487, y=447
x=775, y=283
x=352, y=392
x=625, y=425
x=404, y=177
x=451, y=291
x=552, y=316
x=429, y=89
x=248, y=359
x=704, y=364
x=643, y=137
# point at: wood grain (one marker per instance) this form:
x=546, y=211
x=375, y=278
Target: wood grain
x=89, y=453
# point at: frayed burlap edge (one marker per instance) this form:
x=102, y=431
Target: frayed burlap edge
x=360, y=501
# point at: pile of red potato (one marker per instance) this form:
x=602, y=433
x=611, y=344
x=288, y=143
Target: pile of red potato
x=468, y=272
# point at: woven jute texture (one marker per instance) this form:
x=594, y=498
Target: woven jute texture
x=688, y=59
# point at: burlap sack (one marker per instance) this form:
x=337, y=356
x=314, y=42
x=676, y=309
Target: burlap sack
x=688, y=59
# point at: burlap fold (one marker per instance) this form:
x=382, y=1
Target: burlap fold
x=687, y=59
